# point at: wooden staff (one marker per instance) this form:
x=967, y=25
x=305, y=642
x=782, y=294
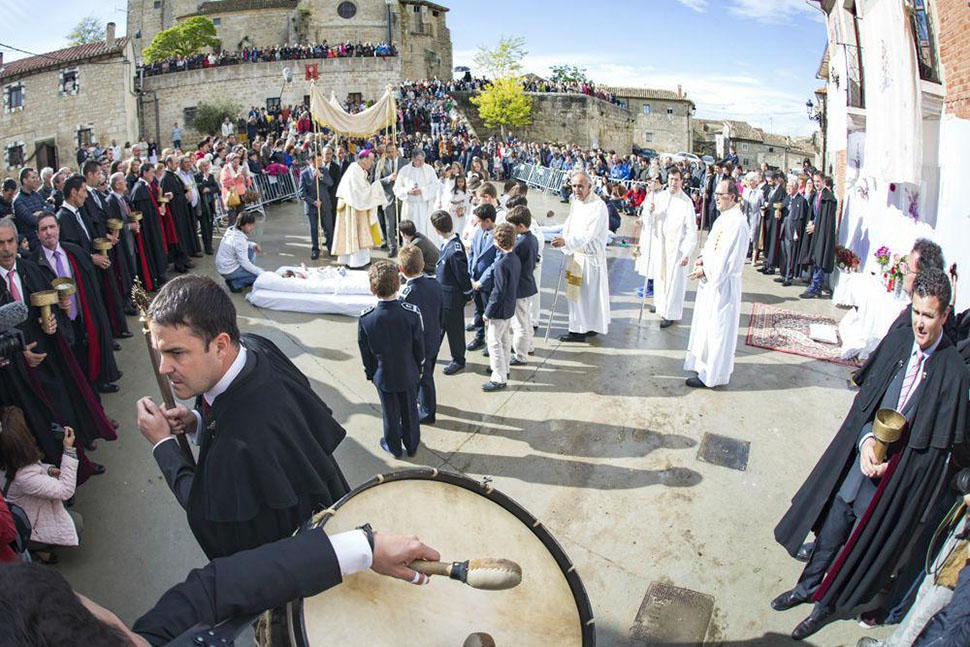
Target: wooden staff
x=316, y=147
x=142, y=302
x=555, y=300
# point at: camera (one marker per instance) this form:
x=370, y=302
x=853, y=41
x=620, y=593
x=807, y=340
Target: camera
x=57, y=432
x=11, y=343
x=961, y=482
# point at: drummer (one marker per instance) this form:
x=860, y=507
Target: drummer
x=265, y=439
x=241, y=585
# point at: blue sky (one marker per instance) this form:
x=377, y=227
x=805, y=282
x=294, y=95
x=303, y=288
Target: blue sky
x=753, y=60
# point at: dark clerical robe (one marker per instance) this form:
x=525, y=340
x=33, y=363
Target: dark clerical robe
x=91, y=330
x=96, y=207
x=154, y=243
x=123, y=259
x=181, y=213
x=918, y=470
x=265, y=459
x=58, y=380
x=826, y=231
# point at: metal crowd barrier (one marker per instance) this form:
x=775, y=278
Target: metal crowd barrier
x=549, y=179
x=274, y=188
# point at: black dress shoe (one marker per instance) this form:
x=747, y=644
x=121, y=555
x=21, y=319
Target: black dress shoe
x=666, y=323
x=107, y=388
x=515, y=361
x=125, y=334
x=97, y=468
x=315, y=254
x=475, y=344
x=452, y=368
x=812, y=623
x=426, y=420
x=808, y=294
x=805, y=551
x=695, y=383
x=470, y=327
x=652, y=309
x=208, y=252
x=780, y=279
x=786, y=283
x=115, y=345
x=786, y=601
x=573, y=337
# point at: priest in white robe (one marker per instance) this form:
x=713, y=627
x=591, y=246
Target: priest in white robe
x=356, y=229
x=676, y=237
x=583, y=241
x=417, y=189
x=714, y=327
x=648, y=235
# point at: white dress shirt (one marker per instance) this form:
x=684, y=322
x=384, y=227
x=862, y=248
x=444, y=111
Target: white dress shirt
x=77, y=215
x=16, y=280
x=351, y=548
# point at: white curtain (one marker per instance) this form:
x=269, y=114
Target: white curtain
x=363, y=124
x=894, y=120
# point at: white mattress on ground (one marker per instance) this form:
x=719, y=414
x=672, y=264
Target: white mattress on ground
x=326, y=290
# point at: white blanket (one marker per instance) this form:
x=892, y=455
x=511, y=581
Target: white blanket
x=326, y=290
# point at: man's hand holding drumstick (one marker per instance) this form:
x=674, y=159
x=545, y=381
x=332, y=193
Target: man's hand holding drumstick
x=393, y=553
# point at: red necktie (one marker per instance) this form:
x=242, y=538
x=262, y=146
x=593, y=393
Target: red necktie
x=14, y=292
x=205, y=410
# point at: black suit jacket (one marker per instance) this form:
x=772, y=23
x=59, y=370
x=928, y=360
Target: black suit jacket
x=428, y=250
x=244, y=584
x=71, y=231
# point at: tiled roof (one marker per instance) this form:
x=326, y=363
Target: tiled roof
x=744, y=130
x=62, y=57
x=776, y=140
x=643, y=93
x=229, y=6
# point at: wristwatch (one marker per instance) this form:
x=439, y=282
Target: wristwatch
x=369, y=533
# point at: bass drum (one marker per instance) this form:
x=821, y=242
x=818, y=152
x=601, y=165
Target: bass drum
x=462, y=519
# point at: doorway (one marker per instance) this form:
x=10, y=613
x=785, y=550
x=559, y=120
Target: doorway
x=46, y=153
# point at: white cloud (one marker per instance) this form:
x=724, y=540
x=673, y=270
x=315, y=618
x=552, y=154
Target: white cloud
x=696, y=5
x=774, y=12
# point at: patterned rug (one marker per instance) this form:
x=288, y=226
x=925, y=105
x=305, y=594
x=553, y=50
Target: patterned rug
x=787, y=331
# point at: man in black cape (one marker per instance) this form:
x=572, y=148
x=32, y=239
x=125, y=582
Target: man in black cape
x=266, y=439
x=95, y=206
x=123, y=255
x=87, y=329
x=208, y=188
x=180, y=207
x=824, y=234
x=56, y=382
x=794, y=232
x=154, y=242
x=772, y=223
x=866, y=515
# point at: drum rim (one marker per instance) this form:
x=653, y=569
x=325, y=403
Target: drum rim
x=482, y=488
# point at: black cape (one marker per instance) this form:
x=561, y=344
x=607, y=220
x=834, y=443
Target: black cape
x=798, y=211
x=94, y=320
x=181, y=212
x=123, y=255
x=153, y=241
x=110, y=292
x=825, y=234
x=774, y=226
x=898, y=513
x=266, y=457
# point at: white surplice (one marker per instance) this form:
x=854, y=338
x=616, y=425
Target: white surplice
x=649, y=235
x=357, y=202
x=676, y=227
x=585, y=232
x=417, y=208
x=714, y=326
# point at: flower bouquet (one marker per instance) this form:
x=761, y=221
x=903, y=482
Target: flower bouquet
x=883, y=257
x=895, y=273
x=846, y=259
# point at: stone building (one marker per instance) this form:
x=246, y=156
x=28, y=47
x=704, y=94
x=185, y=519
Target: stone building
x=416, y=27
x=55, y=102
x=663, y=117
x=754, y=146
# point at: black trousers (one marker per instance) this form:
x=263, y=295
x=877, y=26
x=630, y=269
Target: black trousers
x=427, y=399
x=831, y=537
x=454, y=329
x=400, y=410
x=205, y=224
x=479, y=321
x=325, y=220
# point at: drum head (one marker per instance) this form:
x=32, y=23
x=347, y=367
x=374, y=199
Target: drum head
x=462, y=520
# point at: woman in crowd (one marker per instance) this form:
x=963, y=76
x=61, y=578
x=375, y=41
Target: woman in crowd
x=477, y=167
x=38, y=488
x=235, y=182
x=752, y=200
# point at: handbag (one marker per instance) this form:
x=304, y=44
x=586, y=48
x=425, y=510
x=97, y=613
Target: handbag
x=233, y=200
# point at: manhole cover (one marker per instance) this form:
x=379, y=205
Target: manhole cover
x=724, y=451
x=673, y=616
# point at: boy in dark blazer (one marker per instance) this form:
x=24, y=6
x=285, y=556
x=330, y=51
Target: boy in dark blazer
x=500, y=309
x=451, y=271
x=424, y=292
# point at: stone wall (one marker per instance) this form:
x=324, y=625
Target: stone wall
x=251, y=84
x=665, y=126
x=261, y=28
x=566, y=119
x=953, y=18
x=104, y=103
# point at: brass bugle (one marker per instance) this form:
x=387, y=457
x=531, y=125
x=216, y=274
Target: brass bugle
x=888, y=427
x=44, y=300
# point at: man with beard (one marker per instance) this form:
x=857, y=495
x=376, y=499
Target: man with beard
x=266, y=439
x=171, y=185
x=55, y=379
x=153, y=231
x=87, y=329
x=866, y=513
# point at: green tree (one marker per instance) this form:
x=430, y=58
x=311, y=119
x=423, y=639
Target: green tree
x=188, y=37
x=568, y=74
x=504, y=103
x=503, y=61
x=90, y=29
x=209, y=116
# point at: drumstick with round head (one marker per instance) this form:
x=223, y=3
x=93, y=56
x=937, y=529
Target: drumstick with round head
x=488, y=573
x=479, y=639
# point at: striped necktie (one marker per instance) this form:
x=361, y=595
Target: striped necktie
x=910, y=379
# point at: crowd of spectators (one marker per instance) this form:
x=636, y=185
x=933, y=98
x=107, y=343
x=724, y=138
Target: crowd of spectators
x=536, y=84
x=270, y=54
